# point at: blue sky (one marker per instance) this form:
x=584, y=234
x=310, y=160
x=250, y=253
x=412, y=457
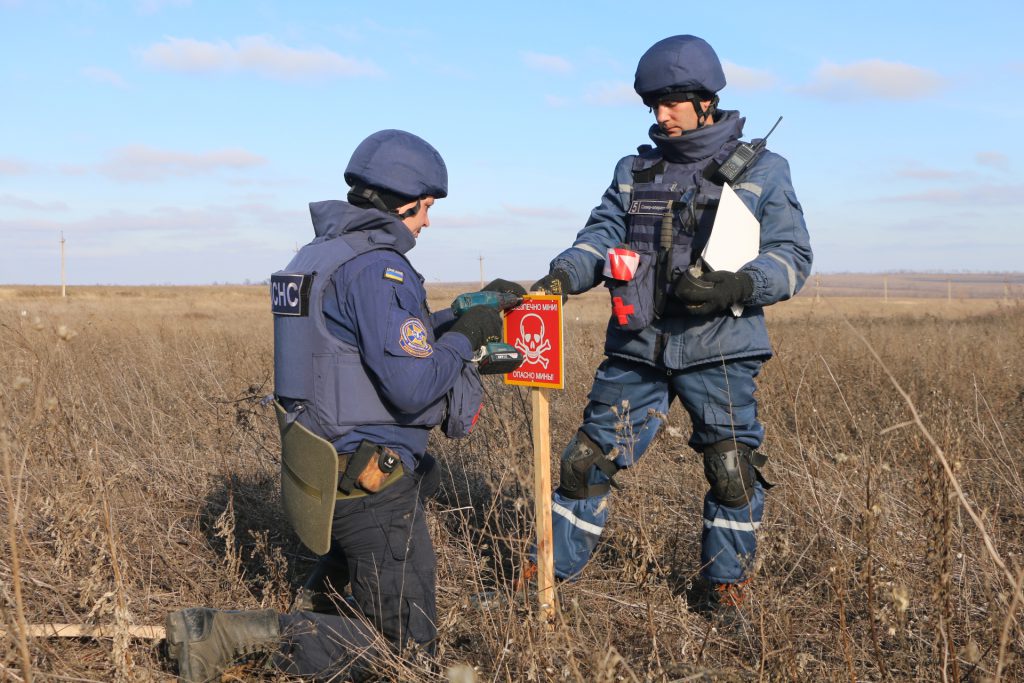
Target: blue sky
x=180, y=142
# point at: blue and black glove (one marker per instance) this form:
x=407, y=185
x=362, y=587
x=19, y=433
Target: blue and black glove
x=504, y=286
x=480, y=325
x=714, y=292
x=555, y=282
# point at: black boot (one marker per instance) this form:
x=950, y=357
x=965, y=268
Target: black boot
x=206, y=641
x=720, y=603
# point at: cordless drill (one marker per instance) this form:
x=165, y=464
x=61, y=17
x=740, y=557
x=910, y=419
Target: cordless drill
x=503, y=301
x=494, y=358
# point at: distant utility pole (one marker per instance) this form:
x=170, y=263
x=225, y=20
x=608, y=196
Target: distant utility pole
x=885, y=287
x=817, y=287
x=481, y=271
x=63, y=281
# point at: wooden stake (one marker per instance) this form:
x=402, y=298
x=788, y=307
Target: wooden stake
x=90, y=631
x=542, y=501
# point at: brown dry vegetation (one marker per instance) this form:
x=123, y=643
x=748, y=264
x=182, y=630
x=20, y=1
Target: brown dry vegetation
x=140, y=475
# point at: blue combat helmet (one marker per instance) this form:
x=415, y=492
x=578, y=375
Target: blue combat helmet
x=680, y=64
x=392, y=167
x=680, y=68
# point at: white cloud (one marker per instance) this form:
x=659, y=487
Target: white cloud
x=510, y=217
x=194, y=224
x=544, y=212
x=745, y=78
x=30, y=204
x=873, y=78
x=996, y=160
x=140, y=162
x=925, y=173
x=185, y=54
x=612, y=94
x=13, y=167
x=73, y=169
x=166, y=244
x=548, y=63
x=556, y=101
x=105, y=76
x=255, y=54
x=989, y=195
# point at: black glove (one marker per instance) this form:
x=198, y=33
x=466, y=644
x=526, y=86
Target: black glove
x=555, y=282
x=506, y=286
x=479, y=325
x=714, y=292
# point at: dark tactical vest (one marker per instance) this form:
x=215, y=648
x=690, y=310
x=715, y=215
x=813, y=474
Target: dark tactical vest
x=664, y=191
x=330, y=390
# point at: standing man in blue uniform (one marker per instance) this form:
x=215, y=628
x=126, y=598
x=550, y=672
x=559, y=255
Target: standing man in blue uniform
x=672, y=334
x=361, y=362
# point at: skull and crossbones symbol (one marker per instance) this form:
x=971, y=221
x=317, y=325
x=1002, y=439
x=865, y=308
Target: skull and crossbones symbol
x=531, y=340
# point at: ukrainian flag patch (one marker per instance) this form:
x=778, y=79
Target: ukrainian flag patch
x=394, y=274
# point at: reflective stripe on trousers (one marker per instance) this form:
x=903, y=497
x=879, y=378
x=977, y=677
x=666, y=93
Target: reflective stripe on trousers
x=623, y=412
x=729, y=538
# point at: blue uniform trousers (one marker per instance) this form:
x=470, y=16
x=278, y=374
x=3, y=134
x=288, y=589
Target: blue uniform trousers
x=391, y=564
x=624, y=412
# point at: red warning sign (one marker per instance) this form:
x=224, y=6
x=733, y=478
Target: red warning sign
x=535, y=328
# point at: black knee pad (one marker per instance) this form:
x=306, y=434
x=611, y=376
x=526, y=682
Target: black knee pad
x=731, y=469
x=579, y=457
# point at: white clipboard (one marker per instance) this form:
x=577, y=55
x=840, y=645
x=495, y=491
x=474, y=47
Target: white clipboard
x=735, y=237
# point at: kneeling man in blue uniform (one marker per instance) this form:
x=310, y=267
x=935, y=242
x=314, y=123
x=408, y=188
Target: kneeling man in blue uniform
x=672, y=333
x=362, y=364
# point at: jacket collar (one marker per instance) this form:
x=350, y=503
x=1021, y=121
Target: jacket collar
x=699, y=144
x=334, y=218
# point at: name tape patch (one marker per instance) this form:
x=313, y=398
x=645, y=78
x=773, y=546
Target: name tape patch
x=394, y=274
x=650, y=207
x=289, y=293
x=414, y=339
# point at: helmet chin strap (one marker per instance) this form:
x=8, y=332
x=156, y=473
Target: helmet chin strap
x=370, y=195
x=695, y=99
x=410, y=212
x=703, y=114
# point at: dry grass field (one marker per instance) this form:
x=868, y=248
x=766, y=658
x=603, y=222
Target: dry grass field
x=140, y=475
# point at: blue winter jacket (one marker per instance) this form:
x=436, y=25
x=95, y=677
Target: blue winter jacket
x=681, y=340
x=375, y=304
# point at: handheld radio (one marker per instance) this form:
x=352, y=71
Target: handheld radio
x=737, y=162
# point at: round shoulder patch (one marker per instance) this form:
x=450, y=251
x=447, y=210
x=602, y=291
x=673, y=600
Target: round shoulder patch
x=414, y=339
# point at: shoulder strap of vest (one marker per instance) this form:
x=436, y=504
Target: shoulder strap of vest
x=647, y=164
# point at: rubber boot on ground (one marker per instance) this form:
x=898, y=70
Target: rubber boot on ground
x=204, y=642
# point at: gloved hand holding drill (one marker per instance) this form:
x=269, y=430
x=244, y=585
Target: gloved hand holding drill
x=714, y=292
x=479, y=319
x=480, y=324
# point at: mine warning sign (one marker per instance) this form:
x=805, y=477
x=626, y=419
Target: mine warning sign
x=535, y=328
